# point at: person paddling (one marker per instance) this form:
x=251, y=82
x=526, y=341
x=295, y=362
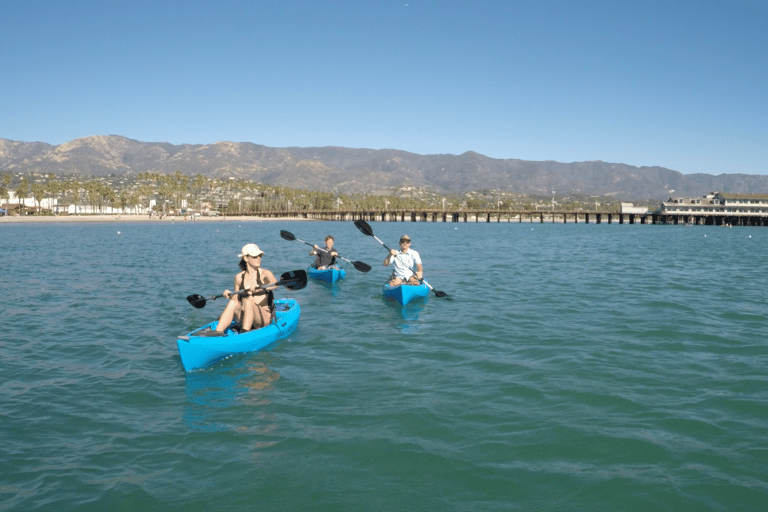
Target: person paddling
x=407, y=268
x=325, y=257
x=253, y=309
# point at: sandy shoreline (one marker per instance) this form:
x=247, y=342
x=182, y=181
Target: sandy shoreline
x=11, y=219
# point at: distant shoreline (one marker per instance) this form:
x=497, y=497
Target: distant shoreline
x=13, y=219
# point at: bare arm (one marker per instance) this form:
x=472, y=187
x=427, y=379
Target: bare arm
x=388, y=260
x=238, y=286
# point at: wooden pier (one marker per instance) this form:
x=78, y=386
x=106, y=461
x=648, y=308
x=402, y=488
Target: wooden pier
x=520, y=216
x=529, y=216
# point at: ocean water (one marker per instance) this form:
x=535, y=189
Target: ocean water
x=574, y=367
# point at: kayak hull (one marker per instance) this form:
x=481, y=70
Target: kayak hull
x=405, y=293
x=200, y=351
x=328, y=275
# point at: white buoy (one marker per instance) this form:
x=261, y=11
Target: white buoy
x=118, y=232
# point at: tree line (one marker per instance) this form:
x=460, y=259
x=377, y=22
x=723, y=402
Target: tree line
x=173, y=192
x=177, y=191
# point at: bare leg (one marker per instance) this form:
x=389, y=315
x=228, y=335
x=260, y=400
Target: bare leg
x=263, y=317
x=228, y=315
x=248, y=306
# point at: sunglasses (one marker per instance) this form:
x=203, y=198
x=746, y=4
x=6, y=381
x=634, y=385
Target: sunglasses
x=404, y=241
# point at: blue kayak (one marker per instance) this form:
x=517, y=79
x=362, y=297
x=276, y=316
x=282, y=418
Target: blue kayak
x=405, y=293
x=328, y=275
x=202, y=347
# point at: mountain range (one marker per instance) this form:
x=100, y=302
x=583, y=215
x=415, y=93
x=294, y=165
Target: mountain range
x=382, y=171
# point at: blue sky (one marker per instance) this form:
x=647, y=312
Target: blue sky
x=676, y=84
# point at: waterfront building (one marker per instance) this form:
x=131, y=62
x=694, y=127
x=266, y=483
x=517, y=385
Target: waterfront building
x=718, y=208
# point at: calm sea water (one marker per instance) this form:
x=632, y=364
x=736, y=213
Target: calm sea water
x=578, y=367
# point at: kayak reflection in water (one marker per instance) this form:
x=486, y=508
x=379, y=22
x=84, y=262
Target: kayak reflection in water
x=253, y=309
x=325, y=257
x=406, y=263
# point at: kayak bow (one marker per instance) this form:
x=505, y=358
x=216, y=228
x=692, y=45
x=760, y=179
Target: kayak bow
x=328, y=275
x=405, y=293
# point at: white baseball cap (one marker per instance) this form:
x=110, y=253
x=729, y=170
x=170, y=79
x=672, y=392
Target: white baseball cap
x=250, y=250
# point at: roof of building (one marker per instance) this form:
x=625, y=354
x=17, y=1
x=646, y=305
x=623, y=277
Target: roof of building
x=729, y=195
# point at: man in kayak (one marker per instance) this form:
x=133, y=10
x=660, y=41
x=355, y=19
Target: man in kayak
x=252, y=309
x=326, y=257
x=406, y=264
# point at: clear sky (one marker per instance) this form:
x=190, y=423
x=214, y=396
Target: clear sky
x=678, y=84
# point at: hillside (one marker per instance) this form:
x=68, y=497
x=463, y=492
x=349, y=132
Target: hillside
x=345, y=170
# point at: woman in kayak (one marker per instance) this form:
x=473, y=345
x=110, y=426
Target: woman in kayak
x=406, y=264
x=326, y=257
x=252, y=309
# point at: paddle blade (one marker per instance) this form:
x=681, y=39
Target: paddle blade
x=438, y=293
x=287, y=235
x=364, y=227
x=297, y=285
x=196, y=300
x=294, y=280
x=362, y=267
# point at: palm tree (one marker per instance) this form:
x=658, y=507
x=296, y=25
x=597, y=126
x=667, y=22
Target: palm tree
x=123, y=200
x=4, y=194
x=53, y=188
x=134, y=200
x=38, y=193
x=182, y=185
x=92, y=189
x=107, y=195
x=71, y=189
x=198, y=183
x=165, y=191
x=22, y=191
x=144, y=191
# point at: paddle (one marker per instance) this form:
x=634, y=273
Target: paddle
x=293, y=280
x=367, y=231
x=359, y=265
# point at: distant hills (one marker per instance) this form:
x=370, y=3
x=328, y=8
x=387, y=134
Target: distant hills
x=345, y=170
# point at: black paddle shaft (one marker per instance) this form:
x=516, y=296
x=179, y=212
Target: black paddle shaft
x=292, y=280
x=365, y=228
x=359, y=265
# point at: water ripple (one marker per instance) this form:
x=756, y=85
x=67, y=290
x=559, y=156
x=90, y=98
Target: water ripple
x=574, y=368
